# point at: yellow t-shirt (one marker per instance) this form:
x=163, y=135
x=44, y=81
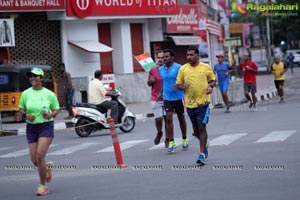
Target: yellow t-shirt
x=198, y=77
x=277, y=69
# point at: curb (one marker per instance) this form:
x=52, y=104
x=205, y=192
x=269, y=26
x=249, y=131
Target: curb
x=267, y=96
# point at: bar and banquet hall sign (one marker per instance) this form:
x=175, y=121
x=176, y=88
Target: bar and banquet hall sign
x=85, y=8
x=31, y=5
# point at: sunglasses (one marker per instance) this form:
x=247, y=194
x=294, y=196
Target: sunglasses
x=33, y=76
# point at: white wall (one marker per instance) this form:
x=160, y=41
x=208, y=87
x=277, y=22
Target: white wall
x=155, y=30
x=78, y=62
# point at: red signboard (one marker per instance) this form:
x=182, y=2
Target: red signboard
x=84, y=8
x=185, y=21
x=31, y=5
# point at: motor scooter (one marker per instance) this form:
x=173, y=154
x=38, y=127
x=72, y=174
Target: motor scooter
x=87, y=118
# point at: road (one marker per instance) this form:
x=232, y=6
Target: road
x=253, y=155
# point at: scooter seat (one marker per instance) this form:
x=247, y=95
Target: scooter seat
x=88, y=105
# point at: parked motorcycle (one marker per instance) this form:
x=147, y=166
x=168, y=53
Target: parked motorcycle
x=88, y=118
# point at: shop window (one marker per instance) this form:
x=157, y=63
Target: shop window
x=136, y=31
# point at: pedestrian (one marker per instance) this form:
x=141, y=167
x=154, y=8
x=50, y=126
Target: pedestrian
x=223, y=70
x=249, y=70
x=197, y=80
x=290, y=60
x=278, y=68
x=40, y=106
x=68, y=90
x=173, y=99
x=155, y=82
x=97, y=94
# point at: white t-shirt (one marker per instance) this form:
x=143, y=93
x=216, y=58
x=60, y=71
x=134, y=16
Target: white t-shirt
x=96, y=92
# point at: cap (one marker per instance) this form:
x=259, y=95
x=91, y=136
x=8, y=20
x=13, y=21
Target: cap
x=220, y=56
x=36, y=71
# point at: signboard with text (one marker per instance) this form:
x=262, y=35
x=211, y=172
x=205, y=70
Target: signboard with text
x=85, y=8
x=185, y=21
x=31, y=5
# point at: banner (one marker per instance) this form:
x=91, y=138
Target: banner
x=32, y=5
x=87, y=8
x=7, y=33
x=146, y=61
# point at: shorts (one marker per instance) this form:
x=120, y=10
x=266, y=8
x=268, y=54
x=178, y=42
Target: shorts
x=250, y=87
x=223, y=86
x=278, y=83
x=35, y=131
x=157, y=108
x=174, y=106
x=199, y=115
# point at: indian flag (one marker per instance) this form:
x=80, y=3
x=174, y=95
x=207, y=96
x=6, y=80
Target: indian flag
x=145, y=60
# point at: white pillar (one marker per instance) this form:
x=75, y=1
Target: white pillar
x=121, y=43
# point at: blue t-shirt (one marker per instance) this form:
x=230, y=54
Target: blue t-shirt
x=221, y=69
x=169, y=80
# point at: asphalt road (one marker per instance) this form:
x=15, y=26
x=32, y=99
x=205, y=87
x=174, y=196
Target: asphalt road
x=253, y=155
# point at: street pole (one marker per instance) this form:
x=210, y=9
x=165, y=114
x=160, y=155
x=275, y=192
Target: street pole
x=0, y=122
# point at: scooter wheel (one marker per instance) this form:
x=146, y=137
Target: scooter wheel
x=83, y=131
x=128, y=124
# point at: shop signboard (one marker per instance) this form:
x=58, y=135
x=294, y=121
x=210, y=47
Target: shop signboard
x=185, y=21
x=32, y=5
x=86, y=8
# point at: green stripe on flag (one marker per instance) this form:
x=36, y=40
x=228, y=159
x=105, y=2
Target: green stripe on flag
x=148, y=66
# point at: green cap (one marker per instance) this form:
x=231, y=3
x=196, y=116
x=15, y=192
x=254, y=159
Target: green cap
x=36, y=71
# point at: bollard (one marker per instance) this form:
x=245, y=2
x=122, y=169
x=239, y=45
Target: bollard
x=116, y=144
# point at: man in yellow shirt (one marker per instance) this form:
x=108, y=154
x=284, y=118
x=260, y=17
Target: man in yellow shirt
x=278, y=69
x=197, y=79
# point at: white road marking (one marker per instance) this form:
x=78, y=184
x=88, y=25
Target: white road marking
x=123, y=146
x=72, y=149
x=19, y=153
x=276, y=136
x=226, y=139
x=162, y=144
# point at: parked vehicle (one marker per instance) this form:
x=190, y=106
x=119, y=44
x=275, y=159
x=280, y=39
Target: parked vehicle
x=88, y=119
x=13, y=81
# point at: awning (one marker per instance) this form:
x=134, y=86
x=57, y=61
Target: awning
x=90, y=46
x=186, y=40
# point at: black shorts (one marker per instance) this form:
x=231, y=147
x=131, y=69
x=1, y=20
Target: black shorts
x=174, y=106
x=35, y=131
x=250, y=87
x=278, y=83
x=199, y=115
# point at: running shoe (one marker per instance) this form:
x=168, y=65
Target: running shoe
x=250, y=105
x=227, y=110
x=171, y=146
x=166, y=142
x=281, y=100
x=185, y=144
x=41, y=190
x=201, y=159
x=157, y=138
x=206, y=149
x=50, y=165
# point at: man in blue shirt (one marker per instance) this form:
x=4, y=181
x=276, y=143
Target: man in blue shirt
x=173, y=99
x=223, y=70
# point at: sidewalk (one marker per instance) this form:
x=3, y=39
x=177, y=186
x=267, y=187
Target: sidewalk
x=265, y=90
